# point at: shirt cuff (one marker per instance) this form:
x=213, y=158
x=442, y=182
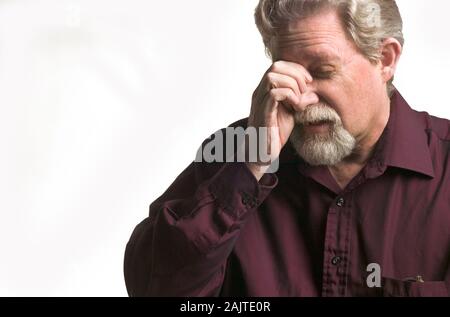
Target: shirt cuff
x=237, y=191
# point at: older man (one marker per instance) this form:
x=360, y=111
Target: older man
x=360, y=203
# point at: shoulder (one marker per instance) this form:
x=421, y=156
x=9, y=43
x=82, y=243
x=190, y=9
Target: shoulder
x=439, y=126
x=437, y=131
x=436, y=127
x=242, y=123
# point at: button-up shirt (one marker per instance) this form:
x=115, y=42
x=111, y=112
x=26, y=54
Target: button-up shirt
x=217, y=231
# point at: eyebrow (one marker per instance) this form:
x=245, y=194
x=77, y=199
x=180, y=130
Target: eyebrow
x=313, y=60
x=319, y=57
x=300, y=55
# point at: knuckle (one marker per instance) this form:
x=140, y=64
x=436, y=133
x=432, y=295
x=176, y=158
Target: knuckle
x=299, y=78
x=292, y=95
x=276, y=65
x=295, y=85
x=271, y=79
x=300, y=67
x=273, y=93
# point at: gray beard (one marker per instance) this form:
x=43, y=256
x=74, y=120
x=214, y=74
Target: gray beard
x=328, y=150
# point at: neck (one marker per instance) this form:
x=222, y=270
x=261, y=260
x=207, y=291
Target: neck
x=346, y=170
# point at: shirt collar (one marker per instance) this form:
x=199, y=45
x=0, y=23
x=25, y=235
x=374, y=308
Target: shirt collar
x=404, y=143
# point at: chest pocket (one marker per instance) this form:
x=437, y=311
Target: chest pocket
x=398, y=288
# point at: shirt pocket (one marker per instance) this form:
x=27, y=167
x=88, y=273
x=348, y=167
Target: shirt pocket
x=398, y=288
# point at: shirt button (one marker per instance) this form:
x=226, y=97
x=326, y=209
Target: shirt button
x=380, y=166
x=254, y=202
x=245, y=200
x=336, y=260
x=340, y=202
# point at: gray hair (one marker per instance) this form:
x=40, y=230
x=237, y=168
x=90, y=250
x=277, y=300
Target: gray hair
x=367, y=22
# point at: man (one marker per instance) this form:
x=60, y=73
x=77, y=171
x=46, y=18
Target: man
x=360, y=203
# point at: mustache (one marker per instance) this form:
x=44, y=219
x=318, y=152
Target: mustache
x=317, y=113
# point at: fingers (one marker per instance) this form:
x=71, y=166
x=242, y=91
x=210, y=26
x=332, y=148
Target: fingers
x=307, y=99
x=284, y=83
x=276, y=80
x=290, y=100
x=282, y=92
x=295, y=71
x=284, y=96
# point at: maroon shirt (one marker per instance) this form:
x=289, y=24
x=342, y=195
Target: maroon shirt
x=218, y=232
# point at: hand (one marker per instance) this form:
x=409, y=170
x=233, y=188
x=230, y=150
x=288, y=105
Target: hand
x=282, y=91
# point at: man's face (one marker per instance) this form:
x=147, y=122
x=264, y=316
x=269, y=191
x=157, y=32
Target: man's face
x=344, y=80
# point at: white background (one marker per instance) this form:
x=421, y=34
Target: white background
x=104, y=102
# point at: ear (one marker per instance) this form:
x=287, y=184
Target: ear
x=391, y=50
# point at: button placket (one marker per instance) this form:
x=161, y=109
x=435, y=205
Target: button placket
x=336, y=247
x=249, y=201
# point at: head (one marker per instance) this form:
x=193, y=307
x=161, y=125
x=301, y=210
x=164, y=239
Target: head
x=351, y=48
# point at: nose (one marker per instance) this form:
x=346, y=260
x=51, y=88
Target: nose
x=312, y=86
x=311, y=95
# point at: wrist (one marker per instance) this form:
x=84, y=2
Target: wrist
x=257, y=170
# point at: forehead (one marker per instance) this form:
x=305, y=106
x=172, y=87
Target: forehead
x=317, y=37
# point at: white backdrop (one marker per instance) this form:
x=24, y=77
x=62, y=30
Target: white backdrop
x=104, y=102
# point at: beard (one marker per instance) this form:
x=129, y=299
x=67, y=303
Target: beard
x=329, y=148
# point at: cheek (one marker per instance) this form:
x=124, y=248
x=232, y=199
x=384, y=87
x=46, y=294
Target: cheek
x=365, y=79
x=346, y=96
x=358, y=90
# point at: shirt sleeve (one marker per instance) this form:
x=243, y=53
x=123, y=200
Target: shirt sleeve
x=182, y=248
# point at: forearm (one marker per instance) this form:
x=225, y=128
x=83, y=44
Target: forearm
x=182, y=250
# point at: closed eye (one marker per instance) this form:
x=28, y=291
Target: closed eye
x=322, y=74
